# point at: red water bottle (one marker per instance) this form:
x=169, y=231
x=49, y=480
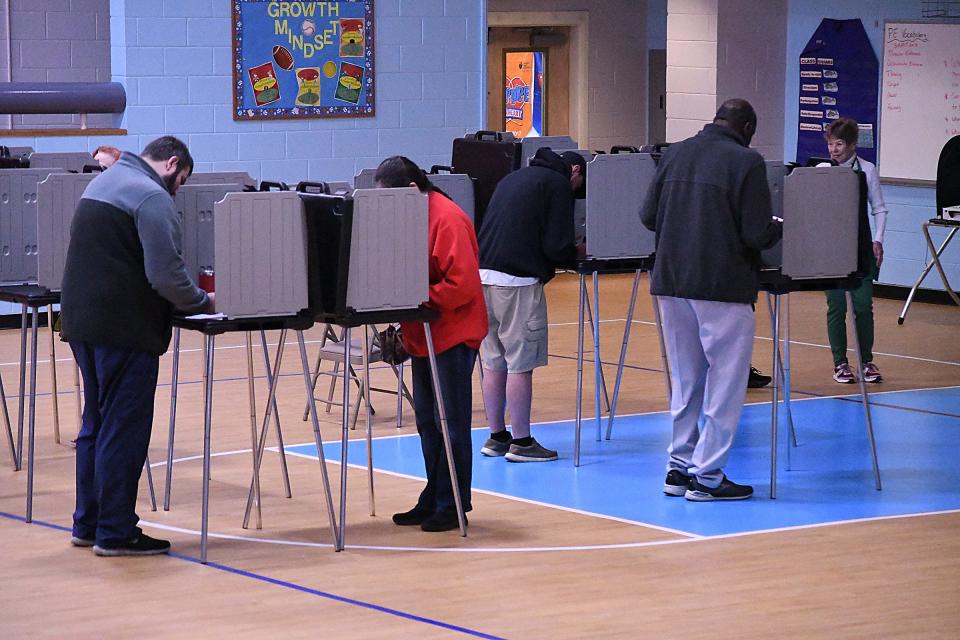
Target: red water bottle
x=206, y=280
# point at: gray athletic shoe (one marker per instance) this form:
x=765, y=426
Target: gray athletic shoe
x=494, y=448
x=533, y=452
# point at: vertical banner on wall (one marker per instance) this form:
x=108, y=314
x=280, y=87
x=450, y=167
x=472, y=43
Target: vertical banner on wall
x=305, y=59
x=524, y=108
x=839, y=76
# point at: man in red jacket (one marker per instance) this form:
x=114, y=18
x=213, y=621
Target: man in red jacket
x=456, y=293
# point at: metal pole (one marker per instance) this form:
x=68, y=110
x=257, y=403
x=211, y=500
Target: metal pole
x=317, y=438
x=603, y=381
x=208, y=342
x=344, y=441
x=261, y=444
x=276, y=416
x=173, y=417
x=23, y=385
x=31, y=435
x=365, y=356
x=775, y=402
x=6, y=422
x=597, y=366
x=53, y=377
x=252, y=403
x=153, y=493
x=863, y=391
x=623, y=354
x=579, y=412
x=445, y=430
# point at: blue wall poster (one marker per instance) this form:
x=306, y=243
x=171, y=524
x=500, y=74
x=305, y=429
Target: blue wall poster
x=302, y=59
x=839, y=78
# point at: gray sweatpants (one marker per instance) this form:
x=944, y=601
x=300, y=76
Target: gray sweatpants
x=709, y=345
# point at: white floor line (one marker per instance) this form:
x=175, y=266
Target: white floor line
x=553, y=549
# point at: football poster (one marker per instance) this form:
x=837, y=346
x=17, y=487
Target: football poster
x=294, y=59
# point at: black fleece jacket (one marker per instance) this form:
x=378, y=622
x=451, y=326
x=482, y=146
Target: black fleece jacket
x=124, y=272
x=528, y=227
x=710, y=206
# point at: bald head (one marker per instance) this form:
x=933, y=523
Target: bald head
x=738, y=114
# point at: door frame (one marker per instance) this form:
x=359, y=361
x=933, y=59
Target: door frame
x=578, y=22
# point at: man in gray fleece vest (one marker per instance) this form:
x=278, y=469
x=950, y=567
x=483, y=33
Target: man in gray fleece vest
x=710, y=206
x=124, y=276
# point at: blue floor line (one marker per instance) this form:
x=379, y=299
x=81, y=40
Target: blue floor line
x=295, y=587
x=831, y=478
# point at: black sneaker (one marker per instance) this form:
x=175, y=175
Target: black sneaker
x=82, y=542
x=445, y=520
x=533, y=452
x=727, y=490
x=142, y=545
x=409, y=518
x=757, y=380
x=676, y=483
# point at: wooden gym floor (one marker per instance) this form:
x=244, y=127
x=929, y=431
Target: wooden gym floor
x=527, y=569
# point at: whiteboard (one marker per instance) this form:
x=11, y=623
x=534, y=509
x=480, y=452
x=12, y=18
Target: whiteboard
x=920, y=97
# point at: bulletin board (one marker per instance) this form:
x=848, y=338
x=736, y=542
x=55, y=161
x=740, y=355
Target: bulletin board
x=839, y=78
x=295, y=59
x=920, y=108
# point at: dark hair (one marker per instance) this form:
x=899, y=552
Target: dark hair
x=738, y=113
x=572, y=158
x=845, y=129
x=400, y=171
x=162, y=149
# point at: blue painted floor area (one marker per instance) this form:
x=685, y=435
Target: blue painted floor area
x=831, y=477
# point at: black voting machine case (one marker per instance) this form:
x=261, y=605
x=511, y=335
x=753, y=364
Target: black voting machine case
x=329, y=223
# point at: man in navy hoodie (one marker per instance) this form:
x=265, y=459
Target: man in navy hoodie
x=527, y=231
x=710, y=206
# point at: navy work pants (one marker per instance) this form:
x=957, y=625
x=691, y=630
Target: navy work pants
x=455, y=371
x=118, y=391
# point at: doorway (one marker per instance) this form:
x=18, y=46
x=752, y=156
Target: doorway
x=562, y=38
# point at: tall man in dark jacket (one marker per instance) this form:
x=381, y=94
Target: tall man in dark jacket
x=123, y=277
x=710, y=207
x=527, y=231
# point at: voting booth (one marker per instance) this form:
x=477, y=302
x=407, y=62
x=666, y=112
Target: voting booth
x=73, y=161
x=617, y=184
x=19, y=190
x=458, y=186
x=367, y=251
x=826, y=245
x=241, y=178
x=57, y=199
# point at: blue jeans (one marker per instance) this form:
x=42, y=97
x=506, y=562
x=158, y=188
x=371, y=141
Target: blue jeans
x=455, y=371
x=118, y=391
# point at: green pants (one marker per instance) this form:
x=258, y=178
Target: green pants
x=863, y=315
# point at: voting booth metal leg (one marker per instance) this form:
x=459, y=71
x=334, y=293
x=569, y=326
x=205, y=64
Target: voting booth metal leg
x=783, y=365
x=597, y=366
x=596, y=338
x=445, y=430
x=261, y=443
x=365, y=356
x=315, y=375
x=935, y=260
x=623, y=354
x=7, y=425
x=150, y=487
x=208, y=342
x=663, y=349
x=285, y=474
x=252, y=402
x=23, y=384
x=317, y=438
x=774, y=404
x=173, y=417
x=344, y=444
x=401, y=388
x=579, y=411
x=863, y=391
x=53, y=377
x=31, y=426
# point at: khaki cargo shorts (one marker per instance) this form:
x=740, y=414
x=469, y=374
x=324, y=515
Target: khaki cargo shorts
x=516, y=340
